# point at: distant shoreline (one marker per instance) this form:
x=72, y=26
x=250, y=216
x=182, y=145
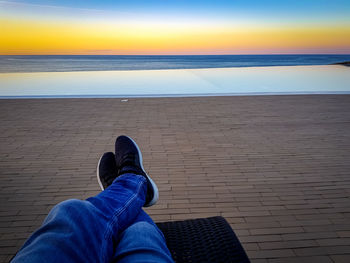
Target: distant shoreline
x=153, y=96
x=345, y=63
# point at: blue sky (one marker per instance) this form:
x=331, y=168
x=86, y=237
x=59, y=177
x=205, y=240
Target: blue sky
x=174, y=26
x=321, y=9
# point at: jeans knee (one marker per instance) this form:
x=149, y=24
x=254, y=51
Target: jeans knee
x=141, y=227
x=69, y=206
x=144, y=228
x=144, y=240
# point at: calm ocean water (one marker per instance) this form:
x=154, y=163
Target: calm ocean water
x=104, y=63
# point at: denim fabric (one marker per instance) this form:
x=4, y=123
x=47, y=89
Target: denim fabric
x=93, y=230
x=150, y=248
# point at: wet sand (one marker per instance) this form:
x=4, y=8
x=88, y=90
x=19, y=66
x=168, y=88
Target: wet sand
x=276, y=167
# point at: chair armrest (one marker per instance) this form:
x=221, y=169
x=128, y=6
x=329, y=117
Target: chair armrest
x=203, y=240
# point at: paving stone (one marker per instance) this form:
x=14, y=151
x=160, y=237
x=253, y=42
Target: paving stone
x=266, y=254
x=314, y=259
x=341, y=258
x=276, y=167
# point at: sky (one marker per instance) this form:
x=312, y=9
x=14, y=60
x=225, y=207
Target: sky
x=160, y=27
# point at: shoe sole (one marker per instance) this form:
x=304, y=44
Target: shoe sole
x=154, y=186
x=98, y=173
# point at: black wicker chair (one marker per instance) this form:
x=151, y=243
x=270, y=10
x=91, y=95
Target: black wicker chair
x=203, y=240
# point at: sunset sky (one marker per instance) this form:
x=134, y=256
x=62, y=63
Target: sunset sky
x=174, y=27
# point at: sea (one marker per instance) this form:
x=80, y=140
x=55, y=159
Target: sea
x=171, y=76
x=65, y=63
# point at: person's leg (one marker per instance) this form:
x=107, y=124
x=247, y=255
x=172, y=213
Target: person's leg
x=142, y=242
x=87, y=231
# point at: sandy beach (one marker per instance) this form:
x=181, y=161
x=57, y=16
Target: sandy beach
x=276, y=167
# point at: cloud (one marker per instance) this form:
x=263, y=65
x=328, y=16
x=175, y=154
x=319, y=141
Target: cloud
x=38, y=8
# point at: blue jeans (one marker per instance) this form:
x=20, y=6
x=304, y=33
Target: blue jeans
x=110, y=227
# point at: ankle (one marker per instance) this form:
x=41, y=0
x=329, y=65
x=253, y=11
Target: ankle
x=131, y=169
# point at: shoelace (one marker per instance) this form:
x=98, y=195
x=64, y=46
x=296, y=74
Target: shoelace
x=127, y=159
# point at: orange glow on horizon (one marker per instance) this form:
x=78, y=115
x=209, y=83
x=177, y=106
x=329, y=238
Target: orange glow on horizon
x=33, y=37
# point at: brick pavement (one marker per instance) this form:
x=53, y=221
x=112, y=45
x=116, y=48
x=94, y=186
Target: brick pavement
x=276, y=167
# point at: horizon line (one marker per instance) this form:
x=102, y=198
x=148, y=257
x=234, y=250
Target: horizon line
x=247, y=54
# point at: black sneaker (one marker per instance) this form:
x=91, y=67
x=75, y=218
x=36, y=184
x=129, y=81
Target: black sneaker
x=106, y=170
x=129, y=160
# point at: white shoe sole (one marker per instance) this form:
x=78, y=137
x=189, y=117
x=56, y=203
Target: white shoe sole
x=154, y=186
x=98, y=174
